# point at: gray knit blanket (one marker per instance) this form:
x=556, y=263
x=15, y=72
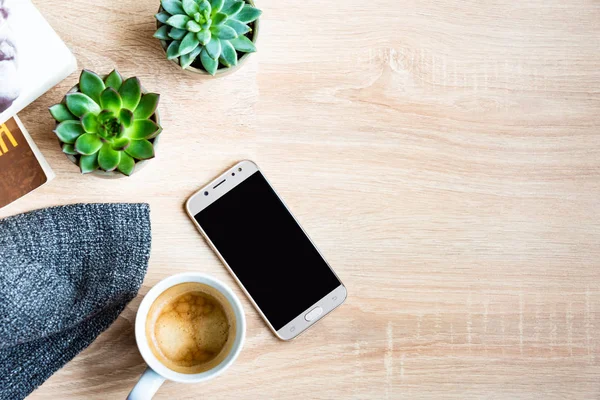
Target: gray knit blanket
x=66, y=273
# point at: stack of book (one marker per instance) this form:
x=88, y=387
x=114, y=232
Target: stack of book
x=33, y=59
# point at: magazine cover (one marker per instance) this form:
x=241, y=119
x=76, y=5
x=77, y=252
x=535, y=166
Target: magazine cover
x=33, y=59
x=22, y=166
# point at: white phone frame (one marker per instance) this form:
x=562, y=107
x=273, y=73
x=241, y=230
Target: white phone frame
x=219, y=187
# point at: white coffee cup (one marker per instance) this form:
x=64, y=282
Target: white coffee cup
x=157, y=373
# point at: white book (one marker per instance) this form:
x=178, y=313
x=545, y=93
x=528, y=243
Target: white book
x=33, y=58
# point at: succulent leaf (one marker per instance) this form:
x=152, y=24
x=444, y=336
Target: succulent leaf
x=69, y=149
x=162, y=33
x=178, y=21
x=187, y=59
x=248, y=14
x=233, y=8
x=127, y=164
x=121, y=144
x=69, y=131
x=89, y=163
x=214, y=48
x=189, y=43
x=147, y=106
x=91, y=84
x=114, y=80
x=105, y=115
x=193, y=26
x=126, y=117
x=224, y=32
x=131, y=93
x=80, y=104
x=140, y=149
x=162, y=17
x=108, y=159
x=239, y=27
x=228, y=55
x=209, y=63
x=205, y=7
x=111, y=100
x=190, y=7
x=90, y=123
x=141, y=129
x=218, y=19
x=61, y=113
x=203, y=37
x=177, y=34
x=173, y=50
x=88, y=144
x=216, y=5
x=173, y=7
x=243, y=44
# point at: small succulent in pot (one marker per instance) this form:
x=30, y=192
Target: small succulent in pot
x=107, y=124
x=207, y=34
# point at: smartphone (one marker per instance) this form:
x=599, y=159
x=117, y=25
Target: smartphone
x=266, y=250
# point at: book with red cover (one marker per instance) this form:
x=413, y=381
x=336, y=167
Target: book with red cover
x=22, y=166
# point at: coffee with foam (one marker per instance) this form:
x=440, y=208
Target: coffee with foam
x=190, y=328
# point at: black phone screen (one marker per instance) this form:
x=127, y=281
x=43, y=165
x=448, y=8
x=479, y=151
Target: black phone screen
x=267, y=250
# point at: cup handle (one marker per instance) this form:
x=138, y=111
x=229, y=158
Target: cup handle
x=147, y=386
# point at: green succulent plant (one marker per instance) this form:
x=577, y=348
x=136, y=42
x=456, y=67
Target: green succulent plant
x=108, y=123
x=214, y=31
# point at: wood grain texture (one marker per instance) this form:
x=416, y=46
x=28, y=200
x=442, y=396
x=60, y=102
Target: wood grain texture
x=444, y=155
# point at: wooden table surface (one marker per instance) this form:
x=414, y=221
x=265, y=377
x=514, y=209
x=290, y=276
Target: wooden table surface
x=444, y=155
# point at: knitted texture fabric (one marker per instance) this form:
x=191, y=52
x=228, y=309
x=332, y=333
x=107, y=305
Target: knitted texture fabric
x=66, y=273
